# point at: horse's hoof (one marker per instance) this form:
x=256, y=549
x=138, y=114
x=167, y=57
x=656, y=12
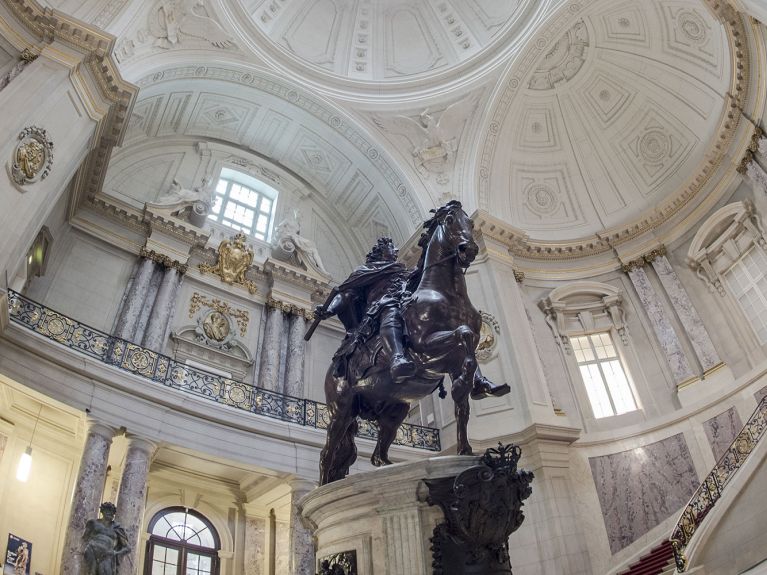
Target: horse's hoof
x=487, y=389
x=380, y=461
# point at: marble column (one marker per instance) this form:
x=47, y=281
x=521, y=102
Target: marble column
x=688, y=315
x=270, y=353
x=154, y=336
x=89, y=487
x=146, y=309
x=301, y=543
x=131, y=500
x=129, y=315
x=664, y=331
x=294, y=376
x=25, y=58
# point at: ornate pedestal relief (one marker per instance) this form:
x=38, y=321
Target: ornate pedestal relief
x=32, y=157
x=234, y=259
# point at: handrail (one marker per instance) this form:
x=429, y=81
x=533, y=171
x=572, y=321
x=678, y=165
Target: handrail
x=159, y=368
x=710, y=491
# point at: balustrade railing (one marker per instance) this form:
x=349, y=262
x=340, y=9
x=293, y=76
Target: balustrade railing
x=710, y=490
x=169, y=372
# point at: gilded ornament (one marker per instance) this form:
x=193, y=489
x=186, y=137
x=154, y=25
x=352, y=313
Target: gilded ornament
x=234, y=259
x=654, y=254
x=633, y=265
x=33, y=156
x=487, y=336
x=241, y=316
x=163, y=259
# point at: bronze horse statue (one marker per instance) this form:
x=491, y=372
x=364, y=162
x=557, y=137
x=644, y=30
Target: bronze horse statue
x=442, y=330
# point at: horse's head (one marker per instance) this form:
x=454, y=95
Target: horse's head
x=457, y=232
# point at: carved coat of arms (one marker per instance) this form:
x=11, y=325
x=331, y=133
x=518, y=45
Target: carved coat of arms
x=234, y=259
x=32, y=157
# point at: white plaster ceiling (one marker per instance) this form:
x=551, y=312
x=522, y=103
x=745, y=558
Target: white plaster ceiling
x=612, y=109
x=386, y=41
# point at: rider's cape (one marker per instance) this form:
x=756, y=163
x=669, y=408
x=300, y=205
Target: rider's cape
x=360, y=279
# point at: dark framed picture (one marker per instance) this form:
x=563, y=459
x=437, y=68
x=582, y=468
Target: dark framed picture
x=18, y=556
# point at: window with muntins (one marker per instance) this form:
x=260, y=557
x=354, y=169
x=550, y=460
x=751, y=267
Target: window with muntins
x=181, y=542
x=747, y=279
x=244, y=203
x=603, y=375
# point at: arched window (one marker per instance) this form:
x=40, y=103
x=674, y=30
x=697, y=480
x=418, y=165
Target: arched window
x=244, y=203
x=181, y=542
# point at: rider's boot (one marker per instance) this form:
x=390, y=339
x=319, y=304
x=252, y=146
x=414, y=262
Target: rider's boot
x=401, y=367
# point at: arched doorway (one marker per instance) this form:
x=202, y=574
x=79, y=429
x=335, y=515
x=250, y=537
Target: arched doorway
x=181, y=542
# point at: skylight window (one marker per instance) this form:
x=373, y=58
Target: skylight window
x=245, y=204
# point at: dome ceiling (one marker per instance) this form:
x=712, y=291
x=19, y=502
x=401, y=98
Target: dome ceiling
x=387, y=40
x=612, y=117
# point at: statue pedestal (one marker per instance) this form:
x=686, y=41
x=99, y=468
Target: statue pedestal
x=384, y=517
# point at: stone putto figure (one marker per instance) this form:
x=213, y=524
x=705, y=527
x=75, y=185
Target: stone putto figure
x=194, y=204
x=291, y=245
x=104, y=543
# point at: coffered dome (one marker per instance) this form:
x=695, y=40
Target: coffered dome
x=368, y=41
x=611, y=113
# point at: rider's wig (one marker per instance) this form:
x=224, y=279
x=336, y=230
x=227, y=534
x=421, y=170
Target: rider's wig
x=376, y=254
x=108, y=506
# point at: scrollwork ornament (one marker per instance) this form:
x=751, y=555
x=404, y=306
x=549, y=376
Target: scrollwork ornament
x=32, y=157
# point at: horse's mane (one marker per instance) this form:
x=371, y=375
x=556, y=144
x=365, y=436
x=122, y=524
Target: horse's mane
x=430, y=226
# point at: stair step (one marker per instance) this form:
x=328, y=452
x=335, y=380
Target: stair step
x=656, y=562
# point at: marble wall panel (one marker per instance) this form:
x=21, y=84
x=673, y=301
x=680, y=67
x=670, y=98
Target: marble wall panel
x=3, y=440
x=255, y=545
x=761, y=394
x=282, y=551
x=641, y=487
x=721, y=430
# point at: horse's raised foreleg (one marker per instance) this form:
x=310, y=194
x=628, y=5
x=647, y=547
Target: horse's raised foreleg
x=388, y=424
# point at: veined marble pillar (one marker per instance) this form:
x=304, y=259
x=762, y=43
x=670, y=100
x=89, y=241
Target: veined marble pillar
x=757, y=175
x=129, y=315
x=294, y=373
x=154, y=337
x=664, y=331
x=89, y=487
x=301, y=543
x=131, y=500
x=270, y=353
x=146, y=309
x=688, y=315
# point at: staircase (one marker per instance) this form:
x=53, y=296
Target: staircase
x=659, y=560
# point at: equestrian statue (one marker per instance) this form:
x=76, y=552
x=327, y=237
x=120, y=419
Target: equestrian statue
x=405, y=330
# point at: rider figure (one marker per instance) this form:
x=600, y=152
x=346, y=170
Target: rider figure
x=370, y=295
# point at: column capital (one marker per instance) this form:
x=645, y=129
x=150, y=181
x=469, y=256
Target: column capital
x=97, y=427
x=141, y=443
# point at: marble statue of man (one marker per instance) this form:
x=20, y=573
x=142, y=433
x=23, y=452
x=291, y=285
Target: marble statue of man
x=104, y=543
x=289, y=239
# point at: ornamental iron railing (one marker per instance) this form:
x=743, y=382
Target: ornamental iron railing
x=710, y=491
x=162, y=369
